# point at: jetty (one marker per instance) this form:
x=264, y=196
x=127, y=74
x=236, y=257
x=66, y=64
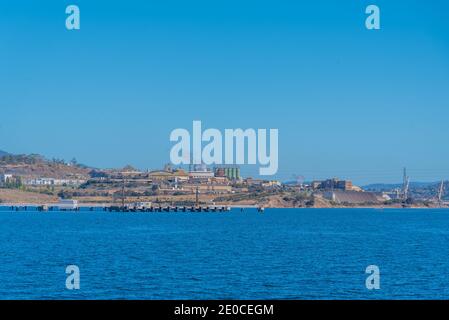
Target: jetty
x=112, y=208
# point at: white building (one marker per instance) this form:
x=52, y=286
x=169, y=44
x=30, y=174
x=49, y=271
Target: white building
x=201, y=174
x=67, y=204
x=53, y=182
x=5, y=177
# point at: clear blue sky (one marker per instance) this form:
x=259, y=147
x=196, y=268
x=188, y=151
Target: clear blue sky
x=348, y=102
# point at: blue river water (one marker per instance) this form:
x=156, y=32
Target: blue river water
x=280, y=254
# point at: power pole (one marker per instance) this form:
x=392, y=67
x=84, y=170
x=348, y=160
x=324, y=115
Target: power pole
x=440, y=193
x=123, y=193
x=405, y=184
x=197, y=197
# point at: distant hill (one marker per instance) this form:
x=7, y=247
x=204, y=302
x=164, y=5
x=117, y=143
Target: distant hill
x=417, y=190
x=3, y=153
x=391, y=186
x=381, y=186
x=35, y=165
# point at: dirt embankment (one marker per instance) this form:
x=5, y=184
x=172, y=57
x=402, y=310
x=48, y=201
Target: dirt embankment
x=47, y=170
x=18, y=196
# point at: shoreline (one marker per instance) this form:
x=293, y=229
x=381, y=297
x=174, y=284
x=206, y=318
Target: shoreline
x=231, y=206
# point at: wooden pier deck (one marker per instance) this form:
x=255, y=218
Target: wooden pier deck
x=108, y=208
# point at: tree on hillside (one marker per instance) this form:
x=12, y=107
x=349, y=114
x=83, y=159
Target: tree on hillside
x=129, y=168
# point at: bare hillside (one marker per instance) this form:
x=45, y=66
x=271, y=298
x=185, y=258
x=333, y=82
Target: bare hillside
x=38, y=166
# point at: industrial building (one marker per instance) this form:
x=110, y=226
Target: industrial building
x=230, y=172
x=353, y=197
x=333, y=184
